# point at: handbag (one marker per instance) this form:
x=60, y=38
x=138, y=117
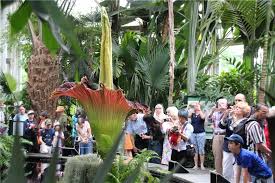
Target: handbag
x=190, y=151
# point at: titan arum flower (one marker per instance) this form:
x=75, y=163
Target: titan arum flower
x=106, y=108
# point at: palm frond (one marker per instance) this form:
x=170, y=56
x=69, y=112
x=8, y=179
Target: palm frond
x=246, y=14
x=7, y=83
x=155, y=68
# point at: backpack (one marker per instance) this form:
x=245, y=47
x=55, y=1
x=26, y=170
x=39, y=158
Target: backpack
x=240, y=129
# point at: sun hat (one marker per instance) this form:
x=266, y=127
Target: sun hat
x=60, y=109
x=30, y=112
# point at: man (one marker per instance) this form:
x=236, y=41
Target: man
x=250, y=163
x=46, y=137
x=255, y=133
x=240, y=98
x=136, y=127
x=61, y=117
x=30, y=132
x=218, y=133
x=21, y=118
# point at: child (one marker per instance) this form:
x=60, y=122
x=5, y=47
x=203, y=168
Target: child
x=58, y=136
x=249, y=161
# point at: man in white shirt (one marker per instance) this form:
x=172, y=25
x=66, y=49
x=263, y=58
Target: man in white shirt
x=21, y=117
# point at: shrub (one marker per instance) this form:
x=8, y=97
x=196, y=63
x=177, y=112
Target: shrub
x=81, y=168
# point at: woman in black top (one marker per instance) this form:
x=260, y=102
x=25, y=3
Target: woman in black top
x=198, y=136
x=231, y=121
x=155, y=137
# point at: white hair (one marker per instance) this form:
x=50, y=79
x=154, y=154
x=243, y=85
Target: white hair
x=172, y=110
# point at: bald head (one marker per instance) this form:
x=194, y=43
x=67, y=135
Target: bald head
x=240, y=98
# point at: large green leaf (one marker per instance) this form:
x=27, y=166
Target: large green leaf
x=48, y=38
x=8, y=83
x=51, y=171
x=103, y=170
x=16, y=170
x=20, y=18
x=49, y=11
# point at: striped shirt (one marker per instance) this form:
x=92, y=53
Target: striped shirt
x=254, y=135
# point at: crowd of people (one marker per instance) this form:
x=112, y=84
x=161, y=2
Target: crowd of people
x=49, y=132
x=240, y=144
x=171, y=135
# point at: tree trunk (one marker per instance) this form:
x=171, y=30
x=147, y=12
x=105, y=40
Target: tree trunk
x=115, y=19
x=43, y=77
x=172, y=51
x=191, y=67
x=262, y=88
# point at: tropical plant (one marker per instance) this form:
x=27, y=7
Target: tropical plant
x=81, y=168
x=202, y=37
x=249, y=18
x=262, y=88
x=227, y=85
x=42, y=62
x=144, y=72
x=121, y=170
x=6, y=145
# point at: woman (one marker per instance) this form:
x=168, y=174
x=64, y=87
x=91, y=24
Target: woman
x=58, y=138
x=85, y=135
x=230, y=121
x=198, y=136
x=43, y=116
x=170, y=121
x=159, y=114
x=185, y=131
x=154, y=135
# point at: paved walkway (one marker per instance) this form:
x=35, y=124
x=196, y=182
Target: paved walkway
x=194, y=176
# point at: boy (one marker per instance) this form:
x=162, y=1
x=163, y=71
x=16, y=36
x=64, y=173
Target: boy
x=249, y=161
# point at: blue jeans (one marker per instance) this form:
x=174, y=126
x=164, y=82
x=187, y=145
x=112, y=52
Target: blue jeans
x=86, y=148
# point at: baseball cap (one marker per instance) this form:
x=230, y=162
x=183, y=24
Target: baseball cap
x=183, y=113
x=235, y=138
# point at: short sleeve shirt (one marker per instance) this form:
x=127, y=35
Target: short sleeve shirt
x=47, y=136
x=136, y=127
x=255, y=135
x=255, y=165
x=187, y=131
x=84, y=130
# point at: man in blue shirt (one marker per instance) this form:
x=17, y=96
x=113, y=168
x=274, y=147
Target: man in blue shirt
x=249, y=161
x=137, y=128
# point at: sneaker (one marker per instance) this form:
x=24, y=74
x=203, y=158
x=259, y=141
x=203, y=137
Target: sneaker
x=195, y=168
x=202, y=168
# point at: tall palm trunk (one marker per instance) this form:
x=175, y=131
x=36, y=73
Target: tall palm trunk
x=192, y=67
x=43, y=76
x=172, y=51
x=262, y=88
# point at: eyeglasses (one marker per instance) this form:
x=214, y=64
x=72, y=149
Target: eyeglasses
x=238, y=100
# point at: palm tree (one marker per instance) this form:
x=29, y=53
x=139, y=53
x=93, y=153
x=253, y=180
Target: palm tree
x=44, y=68
x=143, y=66
x=43, y=76
x=172, y=51
x=261, y=93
